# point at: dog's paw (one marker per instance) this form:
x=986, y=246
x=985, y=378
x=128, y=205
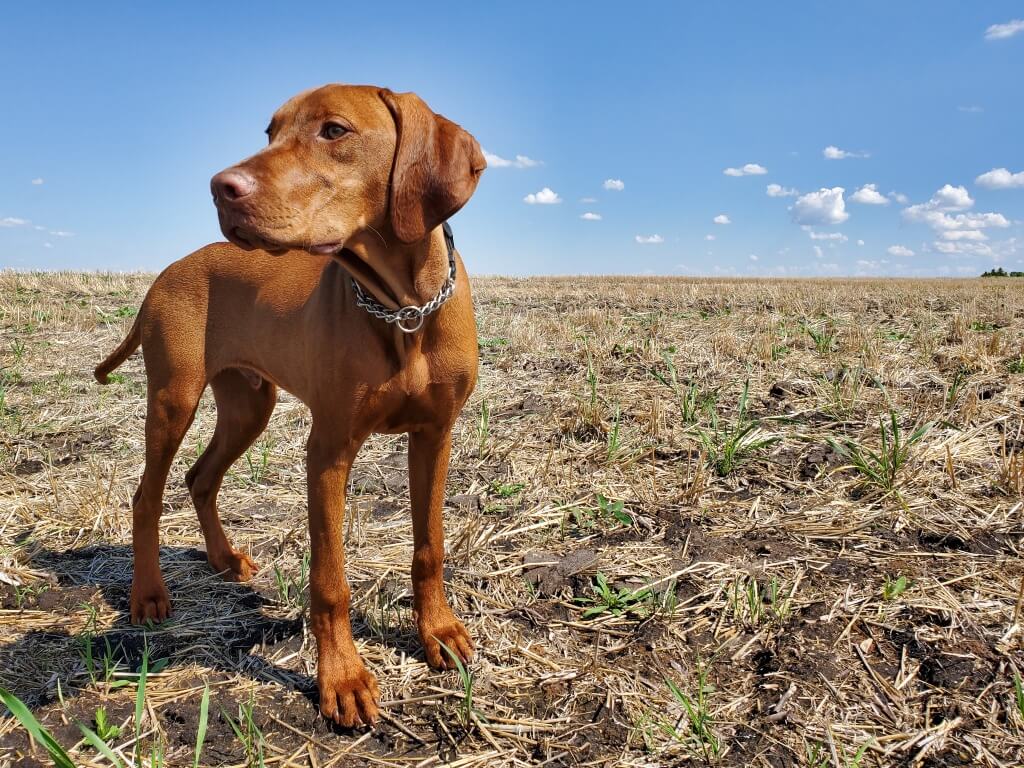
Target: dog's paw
x=349, y=696
x=453, y=634
x=233, y=565
x=149, y=602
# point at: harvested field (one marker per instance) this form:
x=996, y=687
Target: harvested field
x=690, y=522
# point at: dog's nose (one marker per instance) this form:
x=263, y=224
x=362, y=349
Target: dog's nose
x=232, y=184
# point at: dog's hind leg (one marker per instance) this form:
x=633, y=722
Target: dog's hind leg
x=244, y=405
x=173, y=397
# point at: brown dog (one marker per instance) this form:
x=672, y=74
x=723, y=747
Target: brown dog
x=361, y=180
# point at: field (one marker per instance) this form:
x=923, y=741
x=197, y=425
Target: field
x=690, y=522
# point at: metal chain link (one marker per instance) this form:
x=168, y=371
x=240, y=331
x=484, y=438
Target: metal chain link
x=411, y=319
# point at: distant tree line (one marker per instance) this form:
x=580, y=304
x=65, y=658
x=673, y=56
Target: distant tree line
x=1000, y=272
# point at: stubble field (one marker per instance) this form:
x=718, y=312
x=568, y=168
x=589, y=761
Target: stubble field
x=689, y=522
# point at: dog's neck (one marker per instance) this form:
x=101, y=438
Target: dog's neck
x=395, y=273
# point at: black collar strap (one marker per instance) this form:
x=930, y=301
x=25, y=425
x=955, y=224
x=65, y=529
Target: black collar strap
x=410, y=319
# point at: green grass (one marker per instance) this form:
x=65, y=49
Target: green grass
x=881, y=468
x=696, y=729
x=727, y=445
x=614, y=602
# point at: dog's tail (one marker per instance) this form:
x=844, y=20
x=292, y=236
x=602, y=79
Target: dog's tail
x=124, y=349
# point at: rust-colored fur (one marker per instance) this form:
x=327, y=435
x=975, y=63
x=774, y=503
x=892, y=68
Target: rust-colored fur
x=276, y=309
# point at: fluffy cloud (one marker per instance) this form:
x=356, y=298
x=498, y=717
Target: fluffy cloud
x=11, y=221
x=869, y=195
x=860, y=242
x=750, y=169
x=949, y=198
x=775, y=190
x=963, y=234
x=588, y=216
x=650, y=239
x=1000, y=178
x=828, y=236
x=588, y=199
x=832, y=152
x=722, y=219
x=818, y=252
x=826, y=206
x=899, y=250
x=616, y=185
x=521, y=161
x=752, y=257
x=36, y=182
x=1003, y=31
x=899, y=197
x=940, y=221
x=546, y=196
x=709, y=237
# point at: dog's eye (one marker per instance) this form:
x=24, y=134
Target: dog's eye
x=332, y=131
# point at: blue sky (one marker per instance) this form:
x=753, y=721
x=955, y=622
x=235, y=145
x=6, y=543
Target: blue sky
x=116, y=115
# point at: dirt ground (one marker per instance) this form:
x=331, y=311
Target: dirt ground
x=658, y=569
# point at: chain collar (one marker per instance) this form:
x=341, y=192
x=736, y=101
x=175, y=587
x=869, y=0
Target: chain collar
x=411, y=319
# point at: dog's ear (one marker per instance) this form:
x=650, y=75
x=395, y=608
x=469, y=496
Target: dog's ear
x=436, y=167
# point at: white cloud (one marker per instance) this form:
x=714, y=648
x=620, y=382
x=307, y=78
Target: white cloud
x=36, y=182
x=588, y=216
x=47, y=245
x=818, y=252
x=869, y=195
x=828, y=236
x=860, y=242
x=832, y=152
x=750, y=169
x=722, y=219
x=616, y=185
x=899, y=197
x=752, y=257
x=776, y=190
x=1003, y=31
x=1000, y=178
x=936, y=213
x=826, y=206
x=588, y=199
x=650, y=239
x=709, y=237
x=11, y=221
x=949, y=198
x=521, y=161
x=61, y=233
x=899, y=250
x=963, y=234
x=971, y=108
x=546, y=196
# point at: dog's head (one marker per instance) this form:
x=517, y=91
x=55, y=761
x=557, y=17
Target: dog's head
x=344, y=159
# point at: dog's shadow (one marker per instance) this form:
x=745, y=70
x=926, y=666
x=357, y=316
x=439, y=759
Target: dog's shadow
x=215, y=624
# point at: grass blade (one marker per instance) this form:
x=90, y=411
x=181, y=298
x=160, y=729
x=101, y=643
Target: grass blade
x=204, y=715
x=57, y=753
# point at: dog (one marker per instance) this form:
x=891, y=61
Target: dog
x=340, y=285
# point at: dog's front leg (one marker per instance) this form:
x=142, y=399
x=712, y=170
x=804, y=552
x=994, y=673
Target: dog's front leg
x=428, y=469
x=348, y=691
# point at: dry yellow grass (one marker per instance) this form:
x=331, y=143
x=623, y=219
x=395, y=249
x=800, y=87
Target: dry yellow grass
x=811, y=614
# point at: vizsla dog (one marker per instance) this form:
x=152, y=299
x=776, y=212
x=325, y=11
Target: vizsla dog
x=341, y=286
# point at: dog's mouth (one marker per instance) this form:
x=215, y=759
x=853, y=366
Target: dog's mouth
x=248, y=240
x=326, y=249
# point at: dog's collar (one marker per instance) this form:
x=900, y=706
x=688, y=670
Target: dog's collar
x=410, y=319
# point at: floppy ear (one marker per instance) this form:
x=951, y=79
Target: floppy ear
x=436, y=167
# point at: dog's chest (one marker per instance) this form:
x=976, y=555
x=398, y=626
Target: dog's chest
x=426, y=390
